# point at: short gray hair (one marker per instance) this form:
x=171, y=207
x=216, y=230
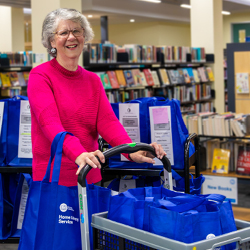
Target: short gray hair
x=52, y=20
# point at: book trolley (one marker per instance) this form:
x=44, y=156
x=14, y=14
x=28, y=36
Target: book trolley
x=108, y=234
x=112, y=235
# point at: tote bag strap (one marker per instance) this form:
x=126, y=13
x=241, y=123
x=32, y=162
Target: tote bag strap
x=185, y=203
x=54, y=146
x=215, y=197
x=58, y=159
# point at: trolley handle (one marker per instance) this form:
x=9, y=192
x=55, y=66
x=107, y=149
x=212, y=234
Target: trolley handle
x=125, y=149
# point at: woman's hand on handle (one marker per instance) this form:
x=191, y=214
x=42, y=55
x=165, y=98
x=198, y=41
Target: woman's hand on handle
x=144, y=156
x=90, y=159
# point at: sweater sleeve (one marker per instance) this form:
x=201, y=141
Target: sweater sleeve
x=108, y=126
x=44, y=107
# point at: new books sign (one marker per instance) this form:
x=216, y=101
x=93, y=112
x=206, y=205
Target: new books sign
x=227, y=186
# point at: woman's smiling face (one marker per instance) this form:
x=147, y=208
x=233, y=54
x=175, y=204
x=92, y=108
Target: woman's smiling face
x=69, y=47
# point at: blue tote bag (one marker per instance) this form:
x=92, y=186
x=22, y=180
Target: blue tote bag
x=21, y=193
x=179, y=131
x=51, y=220
x=213, y=216
x=3, y=138
x=8, y=185
x=131, y=207
x=115, y=161
x=195, y=184
x=13, y=131
x=98, y=199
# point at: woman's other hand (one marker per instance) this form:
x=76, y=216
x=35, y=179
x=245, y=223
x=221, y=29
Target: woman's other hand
x=144, y=156
x=90, y=159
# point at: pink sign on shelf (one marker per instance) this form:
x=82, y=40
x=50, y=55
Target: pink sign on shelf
x=160, y=115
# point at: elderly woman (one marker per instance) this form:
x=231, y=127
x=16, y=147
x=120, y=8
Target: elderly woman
x=65, y=97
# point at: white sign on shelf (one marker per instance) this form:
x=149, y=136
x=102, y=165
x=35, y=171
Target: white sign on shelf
x=39, y=58
x=227, y=186
x=242, y=83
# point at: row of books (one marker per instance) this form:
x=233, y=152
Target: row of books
x=123, y=96
x=128, y=78
x=21, y=58
x=161, y=77
x=11, y=92
x=107, y=53
x=225, y=156
x=199, y=107
x=225, y=124
x=193, y=93
x=189, y=75
x=14, y=79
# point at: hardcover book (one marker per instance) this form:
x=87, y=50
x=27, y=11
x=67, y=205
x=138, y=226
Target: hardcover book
x=26, y=76
x=120, y=78
x=129, y=78
x=172, y=76
x=143, y=79
x=14, y=79
x=163, y=76
x=113, y=80
x=181, y=78
x=105, y=81
x=210, y=74
x=243, y=161
x=220, y=160
x=149, y=77
x=196, y=76
x=5, y=79
x=21, y=79
x=186, y=75
x=137, y=77
x=155, y=78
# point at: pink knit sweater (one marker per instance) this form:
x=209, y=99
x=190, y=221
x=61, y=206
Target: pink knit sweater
x=76, y=102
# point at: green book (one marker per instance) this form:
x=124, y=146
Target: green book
x=105, y=81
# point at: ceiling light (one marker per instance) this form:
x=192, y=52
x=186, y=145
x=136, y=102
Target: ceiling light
x=90, y=16
x=226, y=12
x=152, y=1
x=132, y=20
x=187, y=6
x=26, y=10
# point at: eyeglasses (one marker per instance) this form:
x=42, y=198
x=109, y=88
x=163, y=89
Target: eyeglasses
x=65, y=33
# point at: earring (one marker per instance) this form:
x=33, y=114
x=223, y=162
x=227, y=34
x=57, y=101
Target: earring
x=53, y=50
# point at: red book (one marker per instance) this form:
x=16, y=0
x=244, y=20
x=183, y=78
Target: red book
x=148, y=77
x=243, y=162
x=113, y=80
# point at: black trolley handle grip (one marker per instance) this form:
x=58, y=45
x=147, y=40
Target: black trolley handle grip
x=125, y=149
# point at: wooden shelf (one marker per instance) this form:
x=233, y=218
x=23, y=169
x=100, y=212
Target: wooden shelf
x=231, y=174
x=241, y=213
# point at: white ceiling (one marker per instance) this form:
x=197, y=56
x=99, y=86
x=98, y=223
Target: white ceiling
x=121, y=11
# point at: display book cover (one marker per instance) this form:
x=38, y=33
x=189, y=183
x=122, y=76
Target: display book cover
x=120, y=78
x=5, y=78
x=220, y=163
x=105, y=81
x=163, y=77
x=149, y=77
x=113, y=79
x=129, y=78
x=243, y=161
